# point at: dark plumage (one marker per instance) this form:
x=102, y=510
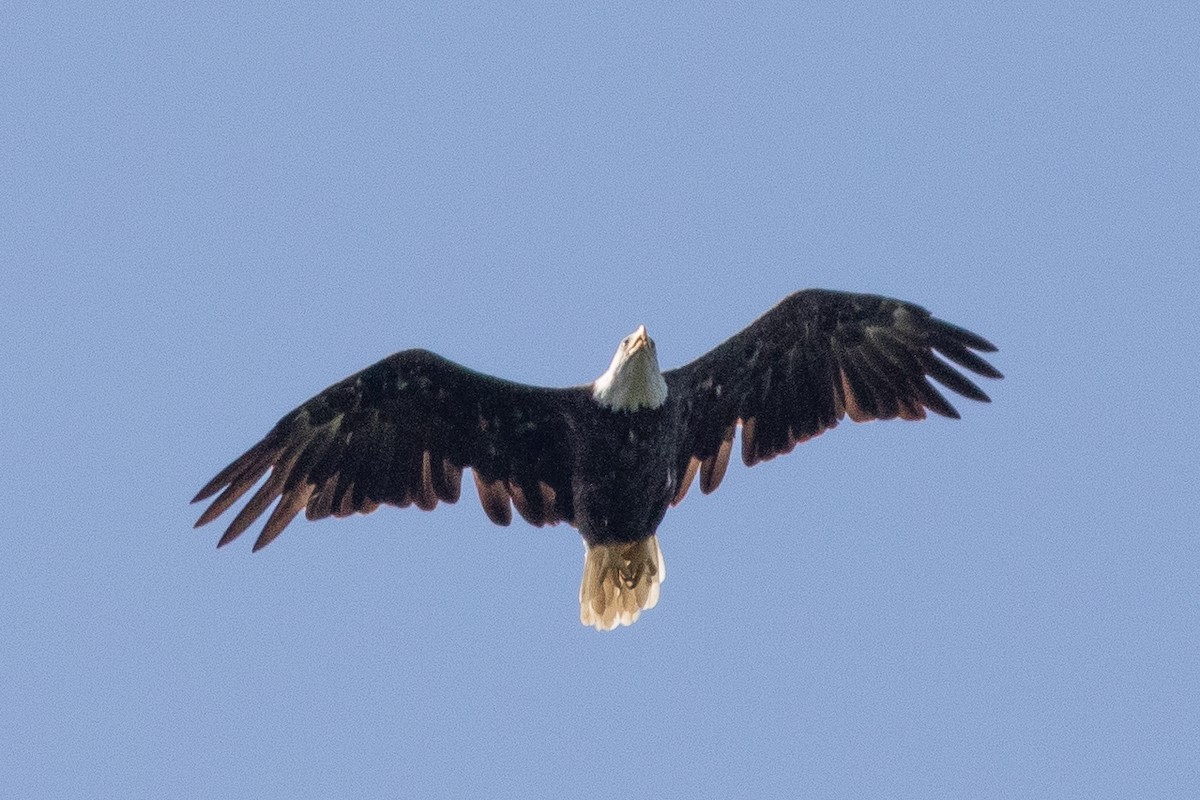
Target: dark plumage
x=608, y=458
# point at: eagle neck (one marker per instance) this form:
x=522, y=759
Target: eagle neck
x=631, y=383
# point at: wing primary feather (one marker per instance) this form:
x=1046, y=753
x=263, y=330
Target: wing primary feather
x=289, y=506
x=883, y=369
x=908, y=359
x=888, y=385
x=359, y=496
x=265, y=495
x=425, y=496
x=309, y=457
x=912, y=410
x=749, y=455
x=898, y=350
x=934, y=400
x=343, y=502
x=856, y=393
x=262, y=454
x=959, y=354
x=226, y=499
x=951, y=378
x=331, y=462
x=234, y=491
x=240, y=475
x=321, y=503
x=689, y=475
x=348, y=472
x=520, y=502
x=971, y=340
x=712, y=471
x=447, y=480
x=494, y=499
x=529, y=503
x=850, y=405
x=549, y=497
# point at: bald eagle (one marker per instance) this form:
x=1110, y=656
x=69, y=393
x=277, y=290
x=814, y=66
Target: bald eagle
x=610, y=457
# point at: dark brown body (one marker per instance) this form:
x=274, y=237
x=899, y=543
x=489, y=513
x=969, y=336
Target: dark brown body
x=626, y=477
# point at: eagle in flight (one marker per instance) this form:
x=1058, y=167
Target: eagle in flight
x=609, y=457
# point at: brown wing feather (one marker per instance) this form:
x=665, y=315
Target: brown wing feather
x=400, y=433
x=816, y=357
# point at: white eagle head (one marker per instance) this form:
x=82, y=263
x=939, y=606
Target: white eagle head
x=633, y=379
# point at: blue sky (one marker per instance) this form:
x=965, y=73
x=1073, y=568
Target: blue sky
x=209, y=213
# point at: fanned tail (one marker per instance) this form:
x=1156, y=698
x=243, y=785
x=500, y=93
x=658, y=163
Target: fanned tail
x=620, y=581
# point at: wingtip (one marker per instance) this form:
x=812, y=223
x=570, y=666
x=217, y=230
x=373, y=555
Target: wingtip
x=969, y=338
x=227, y=537
x=205, y=493
x=210, y=513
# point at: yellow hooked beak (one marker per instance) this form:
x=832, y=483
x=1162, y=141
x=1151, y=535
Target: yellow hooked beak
x=639, y=339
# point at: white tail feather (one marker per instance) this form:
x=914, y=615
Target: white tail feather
x=619, y=582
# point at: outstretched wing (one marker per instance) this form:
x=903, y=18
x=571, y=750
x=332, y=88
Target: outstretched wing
x=815, y=357
x=400, y=432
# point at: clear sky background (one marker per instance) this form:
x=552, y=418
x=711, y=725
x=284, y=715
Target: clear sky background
x=212, y=211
